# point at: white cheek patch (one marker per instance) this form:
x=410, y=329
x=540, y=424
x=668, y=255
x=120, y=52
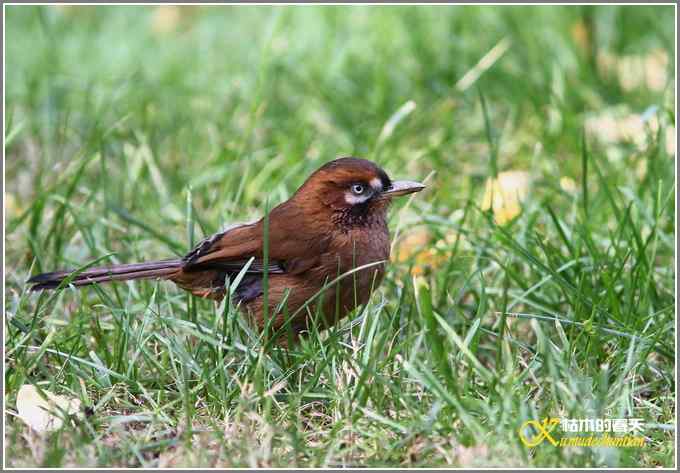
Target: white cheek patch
x=355, y=199
x=376, y=184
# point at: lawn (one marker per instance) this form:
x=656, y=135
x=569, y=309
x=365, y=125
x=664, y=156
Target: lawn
x=533, y=278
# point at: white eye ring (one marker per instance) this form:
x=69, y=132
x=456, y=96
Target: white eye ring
x=358, y=189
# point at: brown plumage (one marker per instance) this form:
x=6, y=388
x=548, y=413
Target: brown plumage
x=333, y=224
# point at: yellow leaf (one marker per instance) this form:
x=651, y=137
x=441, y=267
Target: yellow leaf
x=619, y=125
x=504, y=194
x=11, y=205
x=633, y=71
x=581, y=35
x=670, y=140
x=567, y=184
x=41, y=414
x=419, y=246
x=166, y=19
x=412, y=244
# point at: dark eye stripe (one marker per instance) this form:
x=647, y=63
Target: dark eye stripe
x=386, y=182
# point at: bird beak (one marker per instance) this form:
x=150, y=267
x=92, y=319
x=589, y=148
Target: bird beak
x=402, y=188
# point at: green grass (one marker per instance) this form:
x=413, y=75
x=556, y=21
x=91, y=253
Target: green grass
x=129, y=137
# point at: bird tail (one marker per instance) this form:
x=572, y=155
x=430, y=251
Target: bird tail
x=119, y=272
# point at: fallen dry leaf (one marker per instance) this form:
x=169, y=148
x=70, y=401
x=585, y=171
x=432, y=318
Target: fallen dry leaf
x=11, y=204
x=426, y=253
x=618, y=125
x=633, y=71
x=165, y=19
x=581, y=35
x=44, y=415
x=670, y=140
x=505, y=194
x=568, y=184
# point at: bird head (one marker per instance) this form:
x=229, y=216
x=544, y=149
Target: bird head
x=355, y=190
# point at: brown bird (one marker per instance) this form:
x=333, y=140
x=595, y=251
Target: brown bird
x=328, y=244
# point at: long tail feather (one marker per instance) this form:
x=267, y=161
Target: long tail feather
x=121, y=272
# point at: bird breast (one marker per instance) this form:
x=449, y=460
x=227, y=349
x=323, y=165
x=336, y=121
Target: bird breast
x=354, y=249
x=359, y=247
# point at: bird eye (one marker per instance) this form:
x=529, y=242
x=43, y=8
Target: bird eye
x=358, y=189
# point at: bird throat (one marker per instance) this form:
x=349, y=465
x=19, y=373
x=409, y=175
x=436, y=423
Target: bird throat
x=367, y=215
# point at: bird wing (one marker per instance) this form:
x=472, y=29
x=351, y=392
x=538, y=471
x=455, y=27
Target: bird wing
x=292, y=250
x=230, y=250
